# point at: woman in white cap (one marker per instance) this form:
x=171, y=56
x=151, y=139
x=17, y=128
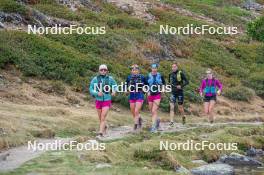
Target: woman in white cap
x=101, y=88
x=210, y=88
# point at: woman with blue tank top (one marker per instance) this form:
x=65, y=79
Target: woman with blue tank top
x=136, y=81
x=155, y=82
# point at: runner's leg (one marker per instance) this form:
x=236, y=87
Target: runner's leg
x=99, y=112
x=150, y=104
x=206, y=109
x=137, y=110
x=103, y=118
x=154, y=111
x=211, y=110
x=181, y=109
x=132, y=109
x=172, y=113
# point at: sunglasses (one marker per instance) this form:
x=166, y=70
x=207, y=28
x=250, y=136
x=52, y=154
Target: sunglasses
x=103, y=70
x=134, y=68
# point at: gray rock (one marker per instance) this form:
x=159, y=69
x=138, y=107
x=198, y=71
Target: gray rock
x=103, y=165
x=4, y=157
x=10, y=17
x=252, y=5
x=90, y=5
x=127, y=8
x=17, y=18
x=2, y=16
x=213, y=169
x=201, y=162
x=2, y=25
x=252, y=152
x=182, y=170
x=259, y=152
x=238, y=160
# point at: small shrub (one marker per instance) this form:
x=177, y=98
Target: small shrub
x=255, y=29
x=58, y=87
x=11, y=6
x=239, y=93
x=256, y=81
x=121, y=22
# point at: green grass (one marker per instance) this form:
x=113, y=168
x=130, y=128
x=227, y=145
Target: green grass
x=128, y=157
x=11, y=6
x=74, y=58
x=221, y=11
x=239, y=93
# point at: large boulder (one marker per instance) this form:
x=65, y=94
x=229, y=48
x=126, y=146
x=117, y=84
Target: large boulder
x=251, y=5
x=213, y=169
x=238, y=160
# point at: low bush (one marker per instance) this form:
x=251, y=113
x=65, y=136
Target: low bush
x=11, y=6
x=256, y=81
x=255, y=29
x=239, y=93
x=125, y=22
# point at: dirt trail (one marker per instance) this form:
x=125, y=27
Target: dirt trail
x=123, y=131
x=15, y=157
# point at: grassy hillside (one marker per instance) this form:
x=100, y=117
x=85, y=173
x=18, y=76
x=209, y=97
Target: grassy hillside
x=44, y=79
x=237, y=61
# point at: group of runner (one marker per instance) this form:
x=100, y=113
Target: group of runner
x=209, y=89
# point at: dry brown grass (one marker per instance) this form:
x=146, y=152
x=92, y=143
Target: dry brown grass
x=152, y=46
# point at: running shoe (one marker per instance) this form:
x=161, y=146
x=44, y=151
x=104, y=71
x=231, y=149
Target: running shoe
x=135, y=126
x=183, y=120
x=153, y=129
x=99, y=136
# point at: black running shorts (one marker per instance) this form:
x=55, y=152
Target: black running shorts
x=209, y=98
x=177, y=96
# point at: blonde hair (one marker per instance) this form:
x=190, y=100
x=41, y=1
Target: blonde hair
x=176, y=63
x=209, y=70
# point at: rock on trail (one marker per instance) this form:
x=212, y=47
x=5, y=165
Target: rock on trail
x=214, y=169
x=238, y=160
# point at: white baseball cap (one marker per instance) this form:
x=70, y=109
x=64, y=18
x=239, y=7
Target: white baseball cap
x=103, y=66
